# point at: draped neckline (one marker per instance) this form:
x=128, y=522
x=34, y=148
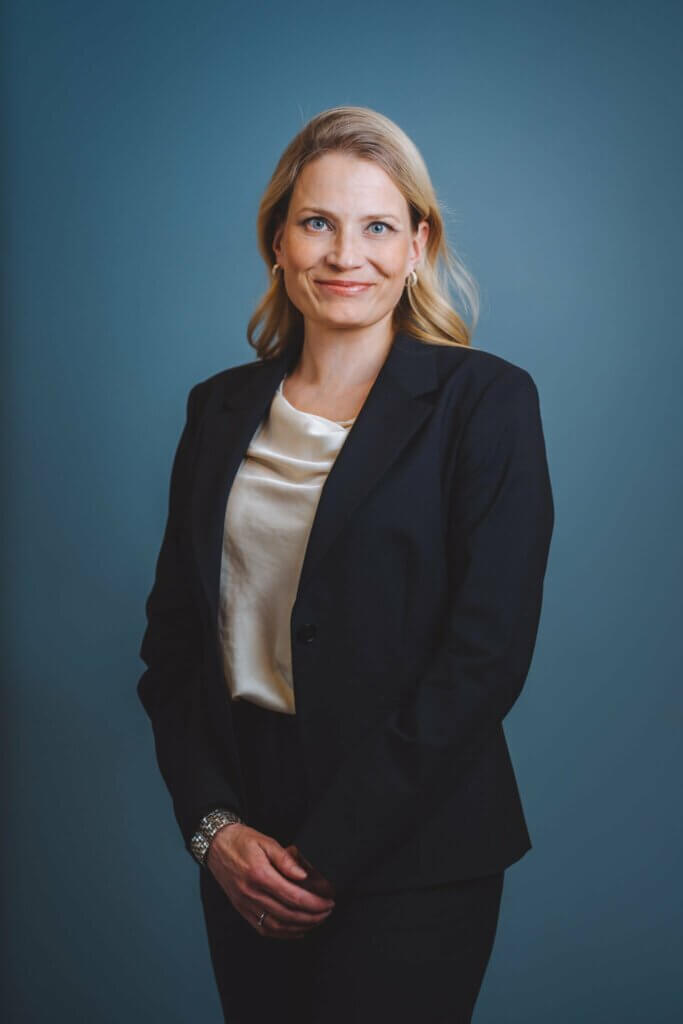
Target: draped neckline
x=340, y=424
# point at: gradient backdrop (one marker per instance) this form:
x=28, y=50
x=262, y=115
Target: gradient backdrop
x=137, y=140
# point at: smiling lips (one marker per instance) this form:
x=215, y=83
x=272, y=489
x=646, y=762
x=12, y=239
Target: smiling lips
x=344, y=287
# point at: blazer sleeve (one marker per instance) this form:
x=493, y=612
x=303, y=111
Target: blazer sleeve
x=170, y=689
x=500, y=522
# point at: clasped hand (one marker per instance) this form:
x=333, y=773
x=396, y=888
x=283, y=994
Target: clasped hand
x=258, y=874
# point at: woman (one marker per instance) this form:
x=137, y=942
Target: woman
x=345, y=607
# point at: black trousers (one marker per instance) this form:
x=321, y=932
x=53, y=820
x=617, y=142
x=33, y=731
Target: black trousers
x=401, y=956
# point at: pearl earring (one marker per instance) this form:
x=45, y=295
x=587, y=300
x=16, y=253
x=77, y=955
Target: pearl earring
x=411, y=280
x=274, y=269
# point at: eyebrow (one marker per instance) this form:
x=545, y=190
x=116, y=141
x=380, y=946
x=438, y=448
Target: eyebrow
x=328, y=213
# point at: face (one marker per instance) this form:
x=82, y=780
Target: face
x=347, y=245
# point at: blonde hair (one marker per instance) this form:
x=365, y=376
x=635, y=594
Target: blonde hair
x=424, y=310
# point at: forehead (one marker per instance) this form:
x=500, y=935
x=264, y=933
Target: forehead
x=342, y=179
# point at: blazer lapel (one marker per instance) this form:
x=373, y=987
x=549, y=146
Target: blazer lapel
x=394, y=409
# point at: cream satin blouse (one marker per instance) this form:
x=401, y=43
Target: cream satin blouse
x=268, y=519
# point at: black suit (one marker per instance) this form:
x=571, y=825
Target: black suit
x=413, y=626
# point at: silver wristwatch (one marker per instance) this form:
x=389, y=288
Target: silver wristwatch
x=211, y=824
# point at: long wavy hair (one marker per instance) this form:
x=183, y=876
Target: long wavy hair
x=424, y=310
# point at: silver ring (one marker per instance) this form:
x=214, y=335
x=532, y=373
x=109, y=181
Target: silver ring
x=261, y=918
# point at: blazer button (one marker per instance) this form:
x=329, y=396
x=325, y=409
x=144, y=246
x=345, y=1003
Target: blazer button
x=305, y=634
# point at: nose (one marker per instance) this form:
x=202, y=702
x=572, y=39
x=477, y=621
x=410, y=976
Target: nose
x=343, y=251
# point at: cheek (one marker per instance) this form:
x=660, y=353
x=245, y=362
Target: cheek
x=394, y=261
x=304, y=253
x=294, y=250
x=296, y=258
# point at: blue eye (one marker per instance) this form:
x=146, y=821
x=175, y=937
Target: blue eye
x=323, y=220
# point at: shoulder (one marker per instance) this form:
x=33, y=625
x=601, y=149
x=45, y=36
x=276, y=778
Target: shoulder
x=473, y=379
x=212, y=388
x=489, y=408
x=465, y=366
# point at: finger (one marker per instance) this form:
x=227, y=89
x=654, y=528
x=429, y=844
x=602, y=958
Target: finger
x=285, y=860
x=320, y=887
x=273, y=929
x=270, y=927
x=279, y=912
x=314, y=881
x=266, y=876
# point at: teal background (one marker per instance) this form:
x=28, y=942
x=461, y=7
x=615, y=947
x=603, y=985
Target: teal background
x=137, y=139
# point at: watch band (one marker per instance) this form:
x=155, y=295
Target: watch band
x=209, y=826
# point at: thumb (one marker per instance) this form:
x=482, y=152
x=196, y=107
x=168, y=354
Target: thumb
x=286, y=862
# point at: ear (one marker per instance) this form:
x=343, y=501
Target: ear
x=420, y=241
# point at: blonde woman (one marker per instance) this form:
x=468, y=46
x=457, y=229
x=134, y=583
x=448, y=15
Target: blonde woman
x=346, y=604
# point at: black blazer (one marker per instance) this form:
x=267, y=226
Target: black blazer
x=413, y=626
